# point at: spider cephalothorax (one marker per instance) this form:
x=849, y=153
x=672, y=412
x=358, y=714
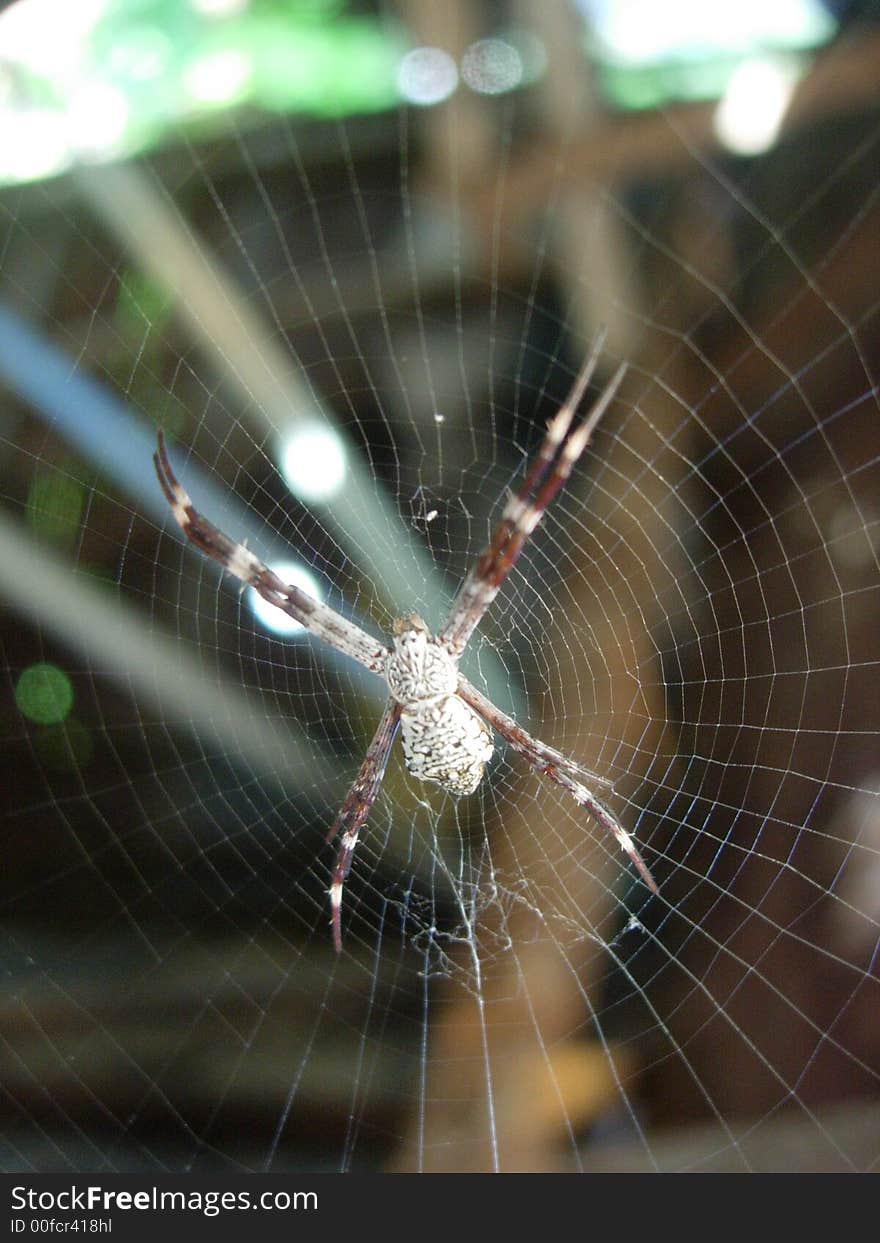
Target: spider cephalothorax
x=418, y=670
x=445, y=721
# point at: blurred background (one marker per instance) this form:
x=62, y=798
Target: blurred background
x=349, y=255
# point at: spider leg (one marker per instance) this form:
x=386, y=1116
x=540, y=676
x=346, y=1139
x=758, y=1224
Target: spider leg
x=603, y=816
x=549, y=762
x=522, y=513
x=523, y=742
x=356, y=808
x=239, y=561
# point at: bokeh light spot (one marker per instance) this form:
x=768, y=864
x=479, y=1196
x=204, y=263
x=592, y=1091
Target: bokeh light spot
x=44, y=694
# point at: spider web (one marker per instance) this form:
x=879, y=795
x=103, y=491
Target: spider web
x=696, y=620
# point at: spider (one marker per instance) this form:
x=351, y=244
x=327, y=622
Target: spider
x=445, y=720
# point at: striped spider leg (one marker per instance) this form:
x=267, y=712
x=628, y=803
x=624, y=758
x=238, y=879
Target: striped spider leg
x=526, y=506
x=550, y=763
x=319, y=619
x=356, y=808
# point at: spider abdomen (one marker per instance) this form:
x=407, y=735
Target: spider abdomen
x=445, y=741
